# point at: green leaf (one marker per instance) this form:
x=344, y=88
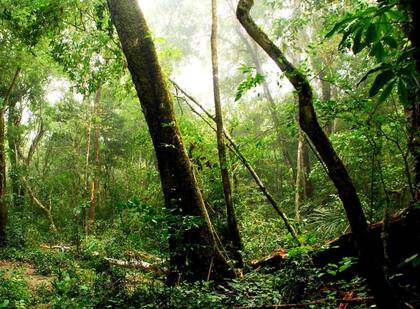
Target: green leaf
x=4, y=304
x=357, y=42
x=378, y=51
x=369, y=73
x=339, y=26
x=344, y=39
x=414, y=260
x=371, y=34
x=381, y=80
x=390, y=41
x=387, y=91
x=402, y=92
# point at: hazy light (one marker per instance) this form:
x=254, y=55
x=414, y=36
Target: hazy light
x=146, y=5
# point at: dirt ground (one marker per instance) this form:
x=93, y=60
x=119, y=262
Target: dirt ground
x=28, y=274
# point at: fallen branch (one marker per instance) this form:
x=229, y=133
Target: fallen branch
x=358, y=300
x=47, y=210
x=158, y=267
x=139, y=265
x=61, y=248
x=243, y=159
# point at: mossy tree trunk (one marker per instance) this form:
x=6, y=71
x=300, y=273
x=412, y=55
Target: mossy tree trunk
x=3, y=208
x=195, y=250
x=412, y=110
x=14, y=142
x=374, y=271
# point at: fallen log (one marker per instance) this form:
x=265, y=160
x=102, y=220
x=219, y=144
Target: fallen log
x=61, y=248
x=139, y=265
x=403, y=241
x=133, y=261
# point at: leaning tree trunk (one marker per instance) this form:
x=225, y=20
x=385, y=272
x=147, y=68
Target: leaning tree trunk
x=383, y=293
x=195, y=250
x=46, y=209
x=234, y=236
x=3, y=208
x=245, y=162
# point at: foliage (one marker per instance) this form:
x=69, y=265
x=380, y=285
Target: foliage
x=253, y=79
x=14, y=290
x=361, y=68
x=377, y=29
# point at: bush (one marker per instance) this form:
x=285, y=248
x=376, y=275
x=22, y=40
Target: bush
x=47, y=262
x=14, y=291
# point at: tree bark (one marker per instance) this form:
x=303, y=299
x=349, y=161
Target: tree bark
x=35, y=143
x=412, y=110
x=308, y=187
x=3, y=208
x=85, y=219
x=95, y=177
x=299, y=176
x=14, y=142
x=374, y=272
x=234, y=236
x=195, y=250
x=326, y=96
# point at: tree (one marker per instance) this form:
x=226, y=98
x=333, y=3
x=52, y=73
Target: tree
x=373, y=270
x=397, y=64
x=94, y=187
x=412, y=109
x=3, y=209
x=234, y=235
x=195, y=250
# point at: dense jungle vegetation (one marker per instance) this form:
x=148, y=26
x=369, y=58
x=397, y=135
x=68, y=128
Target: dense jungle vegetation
x=209, y=154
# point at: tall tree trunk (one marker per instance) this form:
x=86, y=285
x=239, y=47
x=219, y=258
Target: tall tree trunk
x=326, y=96
x=308, y=188
x=3, y=208
x=14, y=142
x=383, y=293
x=234, y=235
x=85, y=219
x=35, y=142
x=95, y=177
x=195, y=250
x=299, y=176
x=412, y=111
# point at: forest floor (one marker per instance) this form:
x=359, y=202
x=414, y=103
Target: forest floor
x=66, y=276
x=28, y=272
